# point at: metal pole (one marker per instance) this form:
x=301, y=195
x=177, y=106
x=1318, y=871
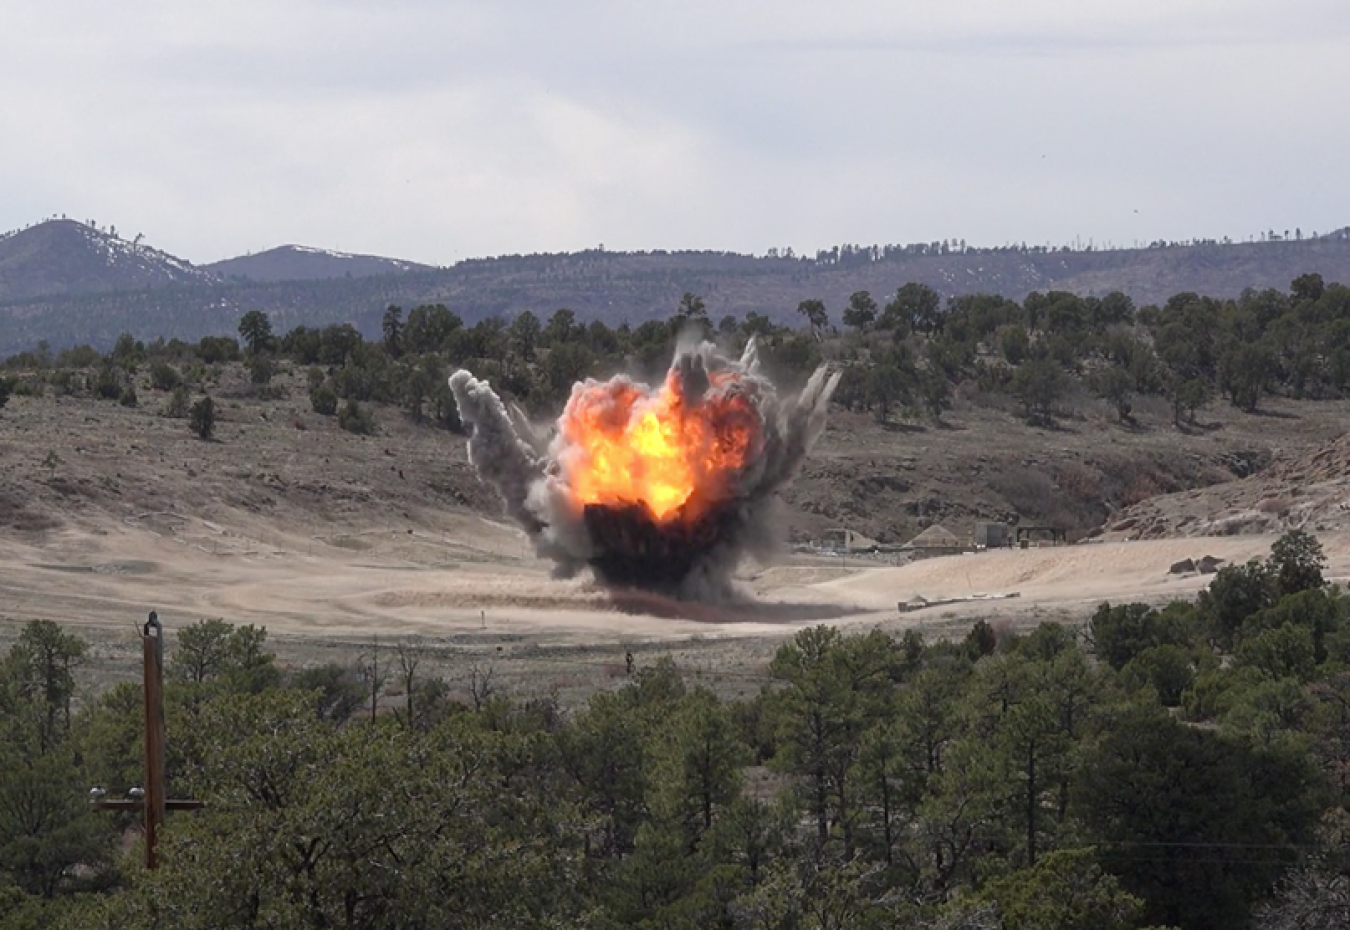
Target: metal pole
x=152, y=649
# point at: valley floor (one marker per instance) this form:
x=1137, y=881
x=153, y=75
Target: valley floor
x=473, y=601
x=341, y=544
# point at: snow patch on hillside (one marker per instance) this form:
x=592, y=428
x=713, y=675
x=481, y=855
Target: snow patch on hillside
x=348, y=256
x=117, y=251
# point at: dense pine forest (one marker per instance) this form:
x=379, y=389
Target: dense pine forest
x=1181, y=767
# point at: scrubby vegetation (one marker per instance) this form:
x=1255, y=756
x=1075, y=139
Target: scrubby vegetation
x=1177, y=767
x=1182, y=766
x=903, y=356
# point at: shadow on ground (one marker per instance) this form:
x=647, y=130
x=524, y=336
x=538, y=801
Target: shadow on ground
x=739, y=611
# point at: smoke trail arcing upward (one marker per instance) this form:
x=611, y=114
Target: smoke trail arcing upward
x=658, y=487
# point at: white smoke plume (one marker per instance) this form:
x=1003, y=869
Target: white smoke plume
x=620, y=542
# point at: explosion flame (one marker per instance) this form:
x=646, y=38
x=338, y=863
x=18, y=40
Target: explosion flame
x=662, y=488
x=626, y=446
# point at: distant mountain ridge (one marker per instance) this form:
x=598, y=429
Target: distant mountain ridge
x=305, y=263
x=96, y=302
x=69, y=257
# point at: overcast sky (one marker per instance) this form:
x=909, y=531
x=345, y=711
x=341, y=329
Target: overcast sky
x=438, y=130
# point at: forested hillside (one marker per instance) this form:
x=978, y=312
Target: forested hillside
x=300, y=263
x=65, y=257
x=901, y=358
x=1177, y=767
x=635, y=287
x=1182, y=768
x=1060, y=363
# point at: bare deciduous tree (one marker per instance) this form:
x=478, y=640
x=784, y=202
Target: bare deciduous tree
x=372, y=675
x=409, y=658
x=1308, y=900
x=480, y=685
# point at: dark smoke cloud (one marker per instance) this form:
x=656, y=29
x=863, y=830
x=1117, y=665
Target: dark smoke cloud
x=622, y=545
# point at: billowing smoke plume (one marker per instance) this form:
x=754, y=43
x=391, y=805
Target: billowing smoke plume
x=660, y=487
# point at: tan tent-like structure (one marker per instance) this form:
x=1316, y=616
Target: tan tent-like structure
x=936, y=540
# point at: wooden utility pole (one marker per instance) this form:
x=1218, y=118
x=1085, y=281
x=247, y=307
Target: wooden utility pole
x=152, y=654
x=153, y=800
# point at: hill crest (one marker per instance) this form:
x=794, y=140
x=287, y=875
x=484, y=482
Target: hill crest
x=68, y=282
x=67, y=257
x=307, y=263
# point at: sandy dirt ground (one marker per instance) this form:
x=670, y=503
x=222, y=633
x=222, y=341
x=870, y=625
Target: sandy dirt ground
x=474, y=603
x=475, y=576
x=336, y=543
x=1065, y=581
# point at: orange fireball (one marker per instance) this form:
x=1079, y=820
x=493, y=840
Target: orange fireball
x=625, y=444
